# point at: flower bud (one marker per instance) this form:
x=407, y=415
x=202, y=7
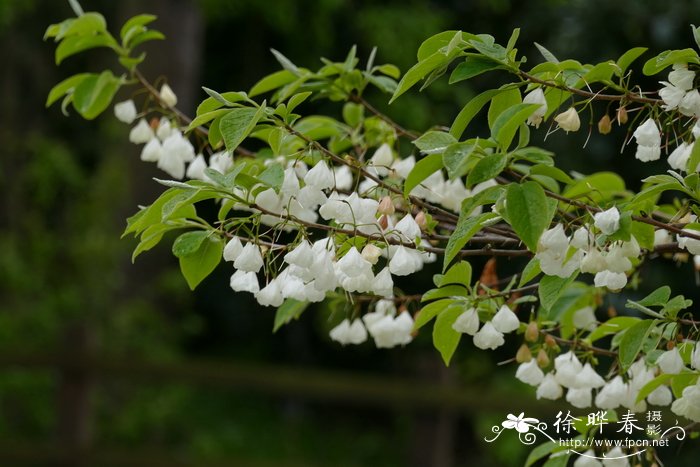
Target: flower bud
x=604, y=125
x=550, y=342
x=371, y=253
x=383, y=222
x=532, y=332
x=568, y=121
x=542, y=359
x=421, y=220
x=622, y=115
x=386, y=206
x=523, y=354
x=612, y=312
x=670, y=345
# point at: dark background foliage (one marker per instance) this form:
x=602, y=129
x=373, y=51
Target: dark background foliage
x=108, y=363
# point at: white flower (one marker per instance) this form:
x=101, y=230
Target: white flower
x=346, y=333
x=613, y=394
x=353, y=264
x=688, y=405
x=608, y=221
x=588, y=378
x=249, y=259
x=467, y=322
x=536, y=97
x=141, y=132
x=593, y=262
x=584, y=318
x=382, y=159
x=233, y=248
x=343, y=177
x=488, y=337
x=402, y=167
x=195, y=170
x=690, y=105
x=176, y=145
x=172, y=165
x=690, y=244
x=549, y=388
x=530, y=373
x=616, y=261
x=681, y=77
x=389, y=331
x=552, y=251
x=678, y=160
x=320, y=176
x=167, y=96
x=661, y=396
x=242, y=281
x=371, y=253
x=222, y=162
x=662, y=237
x=671, y=95
x=587, y=459
x=695, y=357
x=567, y=368
x=164, y=128
x=404, y=261
x=270, y=295
x=582, y=239
x=696, y=130
x=290, y=183
x=612, y=280
x=615, y=458
x=579, y=397
x=311, y=197
x=671, y=361
x=505, y=320
x=125, y=111
x=152, y=151
x=408, y=227
x=383, y=284
x=648, y=141
x=568, y=121
x=301, y=255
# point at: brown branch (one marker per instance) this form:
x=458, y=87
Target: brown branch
x=399, y=129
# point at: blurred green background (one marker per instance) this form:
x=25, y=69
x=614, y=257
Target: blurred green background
x=107, y=363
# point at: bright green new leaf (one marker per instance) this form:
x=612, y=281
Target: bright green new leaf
x=658, y=297
x=434, y=141
x=473, y=65
x=669, y=57
x=272, y=82
x=273, y=176
x=503, y=101
x=94, y=94
x=551, y=288
x=419, y=71
x=508, y=122
x=532, y=270
x=189, y=243
x=627, y=58
x=237, y=125
x=460, y=273
x=75, y=44
x=682, y=381
x=470, y=110
x=612, y=326
x=65, y=87
x=467, y=227
x=446, y=339
x=136, y=22
x=549, y=56
x=423, y=169
x=289, y=310
x=632, y=341
x=198, y=265
x=430, y=311
x=456, y=158
x=528, y=212
x=487, y=168
x=652, y=385
x=206, y=118
x=225, y=98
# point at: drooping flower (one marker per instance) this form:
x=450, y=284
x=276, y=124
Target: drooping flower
x=167, y=96
x=671, y=361
x=249, y=259
x=505, y=320
x=152, y=151
x=382, y=159
x=488, y=337
x=467, y=322
x=383, y=284
x=549, y=388
x=195, y=170
x=408, y=227
x=690, y=244
x=661, y=396
x=613, y=394
x=608, y=221
x=301, y=255
x=568, y=121
x=125, y=111
x=678, y=159
x=587, y=459
x=141, y=132
x=584, y=318
x=688, y=405
x=579, y=397
x=690, y=105
x=347, y=333
x=320, y=176
x=615, y=458
x=530, y=373
x=648, y=141
x=404, y=261
x=242, y=281
x=536, y=97
x=567, y=368
x=589, y=378
x=233, y=248
x=612, y=280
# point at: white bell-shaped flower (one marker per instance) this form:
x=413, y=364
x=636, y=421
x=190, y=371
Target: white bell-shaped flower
x=402, y=167
x=172, y=164
x=589, y=378
x=353, y=264
x=567, y=368
x=681, y=77
x=549, y=388
x=616, y=458
x=608, y=221
x=152, y=151
x=125, y=111
x=249, y=258
x=242, y=281
x=648, y=141
x=343, y=177
x=671, y=362
x=167, y=96
x=222, y=162
x=584, y=318
x=536, y=97
x=165, y=128
x=612, y=395
x=271, y=294
x=301, y=255
x=382, y=159
x=488, y=337
x=320, y=176
x=568, y=120
x=404, y=261
x=505, y=320
x=529, y=373
x=690, y=105
x=467, y=322
x=141, y=132
x=233, y=248
x=587, y=459
x=678, y=159
x=579, y=397
x=690, y=244
x=408, y=227
x=195, y=170
x=660, y=396
x=612, y=280
x=383, y=284
x=688, y=405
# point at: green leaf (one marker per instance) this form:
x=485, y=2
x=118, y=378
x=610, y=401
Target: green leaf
x=644, y=233
x=419, y=71
x=627, y=58
x=487, y=168
x=447, y=291
x=551, y=288
x=66, y=86
x=682, y=381
x=423, y=169
x=205, y=118
x=658, y=297
x=503, y=101
x=273, y=176
x=237, y=125
x=553, y=172
x=473, y=65
x=652, y=385
x=286, y=63
x=598, y=187
x=446, y=339
x=508, y=122
x=289, y=310
x=272, y=82
x=430, y=311
x=528, y=212
x=145, y=36
x=559, y=460
x=470, y=110
x=198, y=265
x=667, y=58
x=540, y=452
x=441, y=41
x=189, y=243
x=135, y=22
x=212, y=103
x=532, y=270
x=76, y=44
x=612, y=326
x=467, y=227
x=460, y=273
x=88, y=24
x=296, y=100
x=94, y=94
x=549, y=56
x=633, y=340
x=434, y=141
x=694, y=159
x=456, y=158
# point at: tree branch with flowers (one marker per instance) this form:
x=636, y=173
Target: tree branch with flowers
x=316, y=208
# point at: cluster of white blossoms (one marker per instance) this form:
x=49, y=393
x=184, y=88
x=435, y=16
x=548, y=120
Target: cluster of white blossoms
x=561, y=255
x=678, y=92
x=490, y=335
x=387, y=327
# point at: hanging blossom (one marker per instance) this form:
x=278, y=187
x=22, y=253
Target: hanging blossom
x=648, y=141
x=678, y=92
